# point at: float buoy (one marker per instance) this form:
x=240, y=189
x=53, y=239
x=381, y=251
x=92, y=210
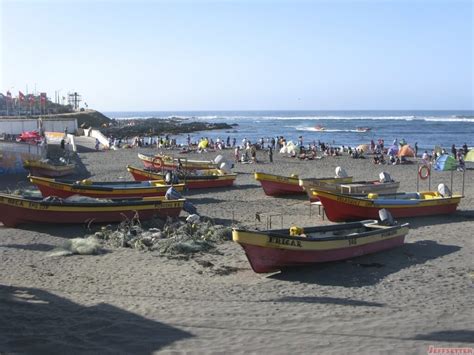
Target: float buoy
x=424, y=172
x=157, y=162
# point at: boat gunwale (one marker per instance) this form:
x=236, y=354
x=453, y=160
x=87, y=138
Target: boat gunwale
x=343, y=226
x=96, y=186
x=146, y=173
x=122, y=202
x=381, y=196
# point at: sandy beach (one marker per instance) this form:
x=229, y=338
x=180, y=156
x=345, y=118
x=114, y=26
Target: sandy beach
x=128, y=301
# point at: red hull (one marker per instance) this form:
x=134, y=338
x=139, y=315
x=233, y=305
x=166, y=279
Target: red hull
x=274, y=188
x=13, y=216
x=264, y=259
x=192, y=184
x=339, y=212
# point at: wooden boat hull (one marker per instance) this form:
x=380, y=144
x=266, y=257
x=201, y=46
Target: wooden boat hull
x=355, y=188
x=170, y=163
x=109, y=190
x=339, y=207
x=277, y=185
x=15, y=210
x=268, y=252
x=38, y=168
x=199, y=182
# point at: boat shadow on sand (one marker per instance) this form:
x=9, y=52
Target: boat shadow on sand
x=369, y=269
x=37, y=321
x=459, y=216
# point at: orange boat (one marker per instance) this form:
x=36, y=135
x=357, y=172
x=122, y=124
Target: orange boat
x=119, y=189
x=277, y=185
x=205, y=179
x=273, y=250
x=15, y=210
x=166, y=162
x=43, y=168
x=340, y=208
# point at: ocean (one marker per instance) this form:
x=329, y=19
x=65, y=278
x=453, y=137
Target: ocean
x=427, y=128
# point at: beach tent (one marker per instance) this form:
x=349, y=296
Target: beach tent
x=363, y=148
x=203, y=144
x=406, y=151
x=469, y=156
x=445, y=163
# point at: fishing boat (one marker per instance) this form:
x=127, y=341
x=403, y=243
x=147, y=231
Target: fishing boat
x=86, y=187
x=201, y=179
x=46, y=168
x=166, y=162
x=385, y=185
x=277, y=185
x=340, y=207
x=272, y=250
x=319, y=128
x=15, y=209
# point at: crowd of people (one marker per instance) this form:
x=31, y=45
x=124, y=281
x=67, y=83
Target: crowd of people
x=246, y=150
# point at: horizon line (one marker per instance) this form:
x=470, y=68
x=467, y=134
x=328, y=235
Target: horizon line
x=285, y=110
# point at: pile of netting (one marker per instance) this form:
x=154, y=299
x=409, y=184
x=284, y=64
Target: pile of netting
x=169, y=238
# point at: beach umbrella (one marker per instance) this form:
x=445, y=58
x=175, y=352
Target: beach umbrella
x=406, y=151
x=393, y=150
x=469, y=156
x=363, y=148
x=445, y=163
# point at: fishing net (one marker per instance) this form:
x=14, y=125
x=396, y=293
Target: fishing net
x=169, y=238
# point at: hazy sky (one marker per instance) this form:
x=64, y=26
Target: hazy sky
x=242, y=55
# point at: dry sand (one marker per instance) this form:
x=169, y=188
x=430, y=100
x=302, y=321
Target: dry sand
x=400, y=301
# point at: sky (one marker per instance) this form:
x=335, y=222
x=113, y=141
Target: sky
x=242, y=55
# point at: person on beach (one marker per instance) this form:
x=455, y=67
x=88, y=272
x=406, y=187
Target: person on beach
x=425, y=157
x=97, y=144
x=300, y=142
x=416, y=149
x=464, y=148
x=253, y=153
x=234, y=141
x=237, y=154
x=453, y=150
x=461, y=164
x=270, y=154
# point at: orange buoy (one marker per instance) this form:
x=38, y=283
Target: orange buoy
x=424, y=172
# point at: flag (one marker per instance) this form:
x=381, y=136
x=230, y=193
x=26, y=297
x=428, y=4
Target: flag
x=43, y=98
x=32, y=99
x=21, y=97
x=9, y=96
